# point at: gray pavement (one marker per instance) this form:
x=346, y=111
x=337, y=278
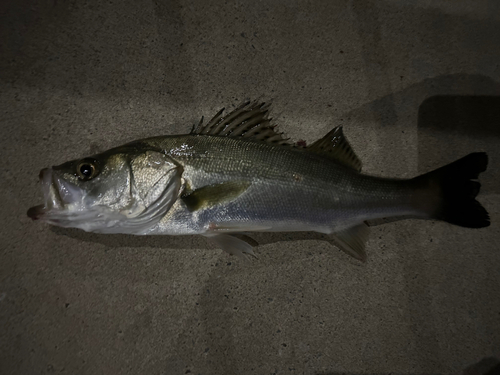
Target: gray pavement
x=416, y=85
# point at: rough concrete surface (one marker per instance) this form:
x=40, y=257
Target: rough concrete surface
x=416, y=85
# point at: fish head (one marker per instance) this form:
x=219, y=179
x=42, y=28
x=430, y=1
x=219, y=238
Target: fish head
x=124, y=190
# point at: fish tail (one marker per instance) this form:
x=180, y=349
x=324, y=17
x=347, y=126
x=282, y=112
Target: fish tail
x=448, y=193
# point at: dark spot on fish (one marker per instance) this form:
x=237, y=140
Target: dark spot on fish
x=301, y=143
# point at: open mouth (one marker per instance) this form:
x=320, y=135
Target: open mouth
x=64, y=206
x=56, y=193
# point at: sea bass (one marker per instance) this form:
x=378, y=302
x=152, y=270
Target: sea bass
x=236, y=174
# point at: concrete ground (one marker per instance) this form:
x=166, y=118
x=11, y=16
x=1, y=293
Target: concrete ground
x=416, y=85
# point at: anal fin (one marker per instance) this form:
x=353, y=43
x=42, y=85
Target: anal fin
x=353, y=240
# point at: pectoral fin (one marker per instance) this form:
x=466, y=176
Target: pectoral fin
x=352, y=241
x=232, y=245
x=212, y=195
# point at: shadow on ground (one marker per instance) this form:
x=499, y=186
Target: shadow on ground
x=486, y=366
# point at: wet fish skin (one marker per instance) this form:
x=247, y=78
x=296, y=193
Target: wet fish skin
x=236, y=174
x=290, y=190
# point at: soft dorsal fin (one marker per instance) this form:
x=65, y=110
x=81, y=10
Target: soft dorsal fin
x=335, y=146
x=249, y=120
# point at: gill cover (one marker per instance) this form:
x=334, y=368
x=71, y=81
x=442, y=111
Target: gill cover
x=155, y=184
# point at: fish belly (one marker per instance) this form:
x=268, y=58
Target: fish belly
x=325, y=207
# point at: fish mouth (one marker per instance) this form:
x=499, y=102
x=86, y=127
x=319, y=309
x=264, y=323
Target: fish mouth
x=57, y=194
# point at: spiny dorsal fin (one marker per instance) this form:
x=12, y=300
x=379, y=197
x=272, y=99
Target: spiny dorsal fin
x=249, y=120
x=335, y=146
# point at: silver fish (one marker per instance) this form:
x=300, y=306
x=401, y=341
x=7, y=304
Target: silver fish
x=237, y=174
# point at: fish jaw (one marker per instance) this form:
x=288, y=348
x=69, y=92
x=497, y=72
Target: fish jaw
x=57, y=195
x=64, y=204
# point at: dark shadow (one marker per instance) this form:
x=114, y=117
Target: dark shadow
x=184, y=242
x=472, y=116
x=451, y=126
x=369, y=17
x=412, y=97
x=486, y=366
x=369, y=373
x=454, y=114
x=127, y=240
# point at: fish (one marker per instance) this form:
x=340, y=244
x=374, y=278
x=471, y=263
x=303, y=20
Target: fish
x=237, y=174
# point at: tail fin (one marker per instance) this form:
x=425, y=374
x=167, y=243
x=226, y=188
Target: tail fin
x=448, y=193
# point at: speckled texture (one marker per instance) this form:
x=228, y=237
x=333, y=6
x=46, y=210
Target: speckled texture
x=415, y=84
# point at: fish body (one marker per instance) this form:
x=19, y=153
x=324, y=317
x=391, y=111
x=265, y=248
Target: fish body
x=285, y=188
x=236, y=174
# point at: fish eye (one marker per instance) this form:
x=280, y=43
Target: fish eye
x=86, y=170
